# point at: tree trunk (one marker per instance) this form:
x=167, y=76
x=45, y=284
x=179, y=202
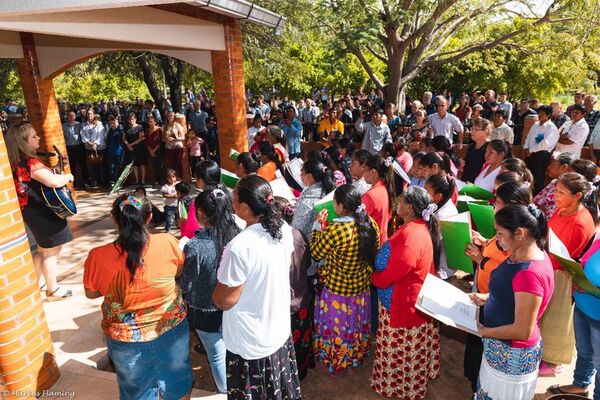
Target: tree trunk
x=395, y=94
x=173, y=72
x=150, y=81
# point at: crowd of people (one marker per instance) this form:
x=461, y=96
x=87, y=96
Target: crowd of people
x=354, y=270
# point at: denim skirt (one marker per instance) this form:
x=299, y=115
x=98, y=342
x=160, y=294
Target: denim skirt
x=158, y=369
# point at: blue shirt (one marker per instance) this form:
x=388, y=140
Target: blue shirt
x=292, y=132
x=114, y=139
x=197, y=120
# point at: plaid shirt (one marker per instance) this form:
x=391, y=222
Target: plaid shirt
x=344, y=272
x=592, y=118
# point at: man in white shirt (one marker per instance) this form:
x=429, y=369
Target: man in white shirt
x=501, y=130
x=540, y=141
x=574, y=133
x=376, y=133
x=443, y=123
x=262, y=108
x=504, y=104
x=256, y=129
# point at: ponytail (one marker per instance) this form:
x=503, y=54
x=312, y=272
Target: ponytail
x=349, y=197
x=440, y=159
x=384, y=173
x=256, y=192
x=321, y=172
x=443, y=185
x=423, y=208
x=131, y=214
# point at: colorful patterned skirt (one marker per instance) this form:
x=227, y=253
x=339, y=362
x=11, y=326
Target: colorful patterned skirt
x=508, y=372
x=274, y=377
x=342, y=330
x=405, y=358
x=302, y=335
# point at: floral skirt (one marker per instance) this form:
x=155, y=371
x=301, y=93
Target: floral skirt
x=274, y=377
x=405, y=358
x=302, y=335
x=508, y=372
x=342, y=330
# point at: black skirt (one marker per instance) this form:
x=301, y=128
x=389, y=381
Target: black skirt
x=274, y=377
x=49, y=230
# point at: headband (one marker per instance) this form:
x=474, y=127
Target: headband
x=131, y=201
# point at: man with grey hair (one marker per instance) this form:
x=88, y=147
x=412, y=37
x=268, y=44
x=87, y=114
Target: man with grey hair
x=489, y=105
x=592, y=116
x=427, y=104
x=558, y=116
x=443, y=123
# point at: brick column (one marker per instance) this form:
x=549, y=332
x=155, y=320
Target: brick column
x=26, y=352
x=41, y=100
x=230, y=98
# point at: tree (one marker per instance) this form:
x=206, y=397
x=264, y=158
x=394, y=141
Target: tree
x=409, y=36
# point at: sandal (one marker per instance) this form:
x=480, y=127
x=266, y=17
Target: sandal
x=557, y=389
x=57, y=294
x=549, y=370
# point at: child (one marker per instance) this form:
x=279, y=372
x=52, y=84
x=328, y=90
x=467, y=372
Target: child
x=184, y=200
x=194, y=145
x=170, y=195
x=416, y=172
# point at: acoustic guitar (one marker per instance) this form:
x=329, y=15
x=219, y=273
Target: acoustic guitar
x=59, y=200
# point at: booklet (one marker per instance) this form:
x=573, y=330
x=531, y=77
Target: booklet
x=281, y=188
x=233, y=154
x=448, y=304
x=293, y=170
x=572, y=267
x=483, y=216
x=463, y=202
x=476, y=192
x=456, y=232
x=400, y=171
x=326, y=203
x=229, y=179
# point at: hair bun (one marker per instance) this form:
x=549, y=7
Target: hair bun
x=534, y=210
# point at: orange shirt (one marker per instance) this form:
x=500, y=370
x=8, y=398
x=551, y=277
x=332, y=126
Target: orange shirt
x=494, y=257
x=143, y=309
x=574, y=231
x=377, y=203
x=267, y=171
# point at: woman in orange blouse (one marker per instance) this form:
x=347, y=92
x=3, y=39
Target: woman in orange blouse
x=574, y=223
x=143, y=314
x=269, y=162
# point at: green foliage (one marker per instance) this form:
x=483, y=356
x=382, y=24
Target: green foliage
x=10, y=85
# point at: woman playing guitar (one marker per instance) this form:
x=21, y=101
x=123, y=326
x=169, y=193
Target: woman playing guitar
x=50, y=231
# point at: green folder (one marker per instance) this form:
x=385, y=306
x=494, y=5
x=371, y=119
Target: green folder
x=326, y=203
x=463, y=203
x=229, y=179
x=483, y=216
x=233, y=154
x=456, y=232
x=476, y=192
x=574, y=269
x=182, y=211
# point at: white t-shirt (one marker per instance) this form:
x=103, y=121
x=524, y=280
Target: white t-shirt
x=259, y=324
x=578, y=133
x=487, y=182
x=169, y=190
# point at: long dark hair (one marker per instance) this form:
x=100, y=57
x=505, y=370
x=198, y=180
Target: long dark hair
x=333, y=155
x=443, y=184
x=131, y=214
x=256, y=192
x=515, y=216
x=500, y=146
x=266, y=149
x=210, y=173
x=517, y=165
x=514, y=192
x=216, y=206
x=349, y=197
x=321, y=172
x=419, y=199
x=443, y=144
x=576, y=183
x=248, y=161
x=386, y=174
x=440, y=159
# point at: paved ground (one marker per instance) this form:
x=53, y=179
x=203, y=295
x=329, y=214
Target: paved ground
x=80, y=349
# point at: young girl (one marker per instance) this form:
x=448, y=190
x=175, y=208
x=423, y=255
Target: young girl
x=346, y=148
x=194, y=145
x=358, y=167
x=169, y=193
x=416, y=172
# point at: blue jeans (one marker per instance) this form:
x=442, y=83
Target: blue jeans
x=170, y=215
x=215, y=352
x=587, y=343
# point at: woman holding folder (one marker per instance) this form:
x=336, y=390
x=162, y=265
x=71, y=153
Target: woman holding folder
x=408, y=341
x=520, y=290
x=574, y=224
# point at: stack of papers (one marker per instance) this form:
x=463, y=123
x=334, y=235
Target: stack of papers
x=448, y=304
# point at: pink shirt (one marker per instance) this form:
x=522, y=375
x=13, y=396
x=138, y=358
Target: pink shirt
x=405, y=160
x=191, y=225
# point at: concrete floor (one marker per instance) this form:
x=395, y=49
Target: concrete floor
x=80, y=348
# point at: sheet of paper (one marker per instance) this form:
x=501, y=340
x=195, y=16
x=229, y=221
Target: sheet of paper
x=448, y=304
x=400, y=171
x=294, y=168
x=557, y=247
x=281, y=188
x=459, y=184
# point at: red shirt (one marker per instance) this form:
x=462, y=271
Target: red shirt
x=377, y=203
x=411, y=259
x=154, y=138
x=575, y=231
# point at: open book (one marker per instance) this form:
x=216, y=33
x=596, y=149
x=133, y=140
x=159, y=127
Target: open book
x=448, y=304
x=229, y=179
x=233, y=154
x=326, y=203
x=281, y=188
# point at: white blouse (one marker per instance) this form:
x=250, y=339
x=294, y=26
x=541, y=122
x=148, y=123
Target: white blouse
x=487, y=181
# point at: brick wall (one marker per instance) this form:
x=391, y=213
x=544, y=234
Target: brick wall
x=26, y=351
x=230, y=99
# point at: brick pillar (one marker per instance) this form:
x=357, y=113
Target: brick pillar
x=26, y=351
x=230, y=98
x=41, y=100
